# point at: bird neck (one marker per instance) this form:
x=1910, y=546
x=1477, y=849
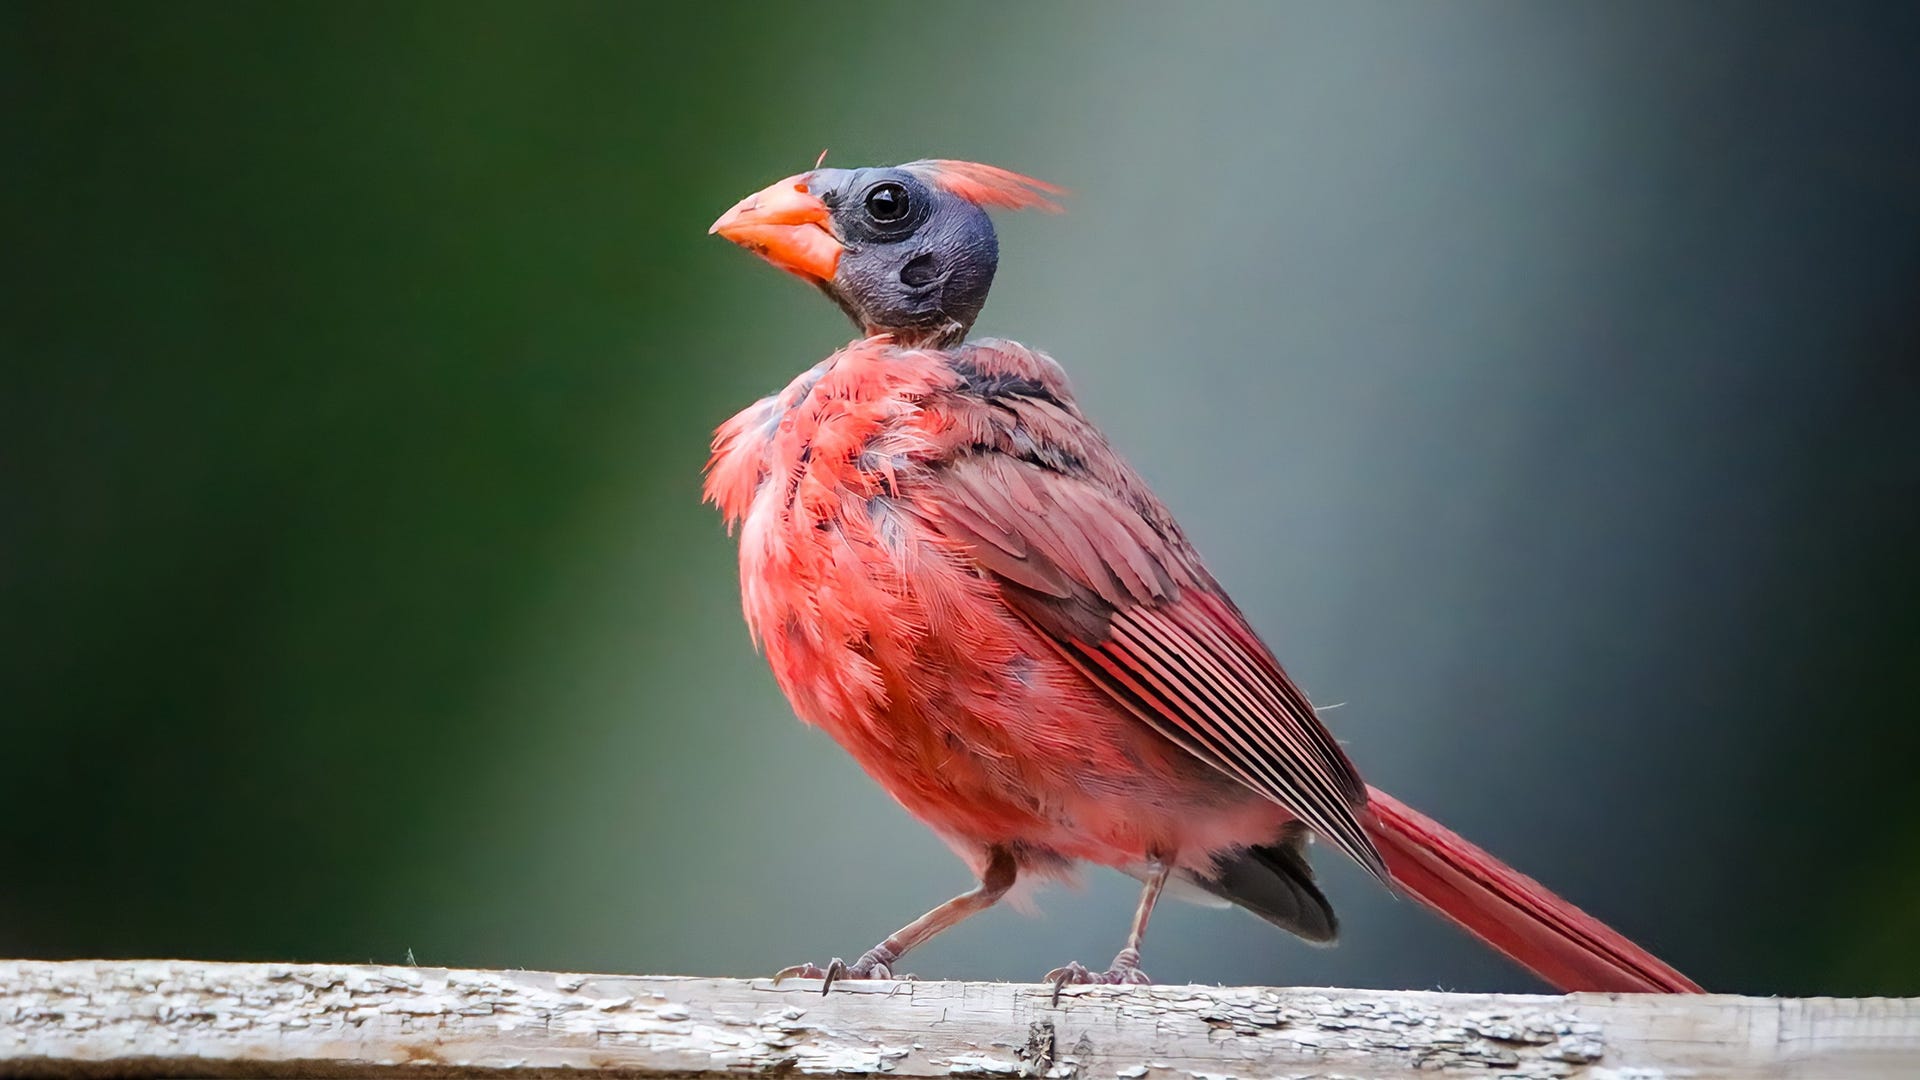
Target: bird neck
x=944, y=336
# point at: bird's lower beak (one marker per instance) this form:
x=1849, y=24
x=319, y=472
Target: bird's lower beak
x=786, y=225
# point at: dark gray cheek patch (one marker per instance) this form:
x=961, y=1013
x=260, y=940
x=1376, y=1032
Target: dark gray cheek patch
x=920, y=271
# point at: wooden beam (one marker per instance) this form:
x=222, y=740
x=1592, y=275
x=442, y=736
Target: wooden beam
x=179, y=1018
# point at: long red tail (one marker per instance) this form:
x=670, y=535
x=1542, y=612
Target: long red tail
x=1509, y=910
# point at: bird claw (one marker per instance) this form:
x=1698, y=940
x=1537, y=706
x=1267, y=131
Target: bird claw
x=874, y=964
x=1124, y=972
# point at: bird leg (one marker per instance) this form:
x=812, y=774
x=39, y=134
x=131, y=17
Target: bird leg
x=877, y=962
x=1126, y=965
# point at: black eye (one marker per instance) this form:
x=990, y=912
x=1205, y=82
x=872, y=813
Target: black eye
x=887, y=202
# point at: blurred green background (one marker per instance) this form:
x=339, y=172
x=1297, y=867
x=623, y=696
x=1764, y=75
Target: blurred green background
x=1541, y=378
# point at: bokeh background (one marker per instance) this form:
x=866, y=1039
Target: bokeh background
x=1541, y=378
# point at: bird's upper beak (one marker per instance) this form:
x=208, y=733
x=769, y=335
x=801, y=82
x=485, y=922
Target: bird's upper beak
x=787, y=225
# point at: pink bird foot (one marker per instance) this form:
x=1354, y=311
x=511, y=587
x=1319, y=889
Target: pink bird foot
x=1124, y=972
x=876, y=963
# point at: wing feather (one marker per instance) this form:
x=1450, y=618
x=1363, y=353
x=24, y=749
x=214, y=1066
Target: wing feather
x=1094, y=562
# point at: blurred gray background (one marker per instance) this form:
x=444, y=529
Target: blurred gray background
x=1540, y=378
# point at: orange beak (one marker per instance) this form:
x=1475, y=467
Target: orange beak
x=786, y=225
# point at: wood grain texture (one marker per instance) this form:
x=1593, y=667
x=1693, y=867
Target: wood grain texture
x=180, y=1018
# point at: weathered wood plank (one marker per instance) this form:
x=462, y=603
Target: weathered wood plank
x=178, y=1018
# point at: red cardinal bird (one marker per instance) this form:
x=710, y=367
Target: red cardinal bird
x=955, y=576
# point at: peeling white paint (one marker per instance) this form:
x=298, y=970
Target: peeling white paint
x=90, y=1018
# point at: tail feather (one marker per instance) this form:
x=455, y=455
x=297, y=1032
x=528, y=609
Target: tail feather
x=1274, y=882
x=1508, y=910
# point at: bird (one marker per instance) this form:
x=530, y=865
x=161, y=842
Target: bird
x=953, y=574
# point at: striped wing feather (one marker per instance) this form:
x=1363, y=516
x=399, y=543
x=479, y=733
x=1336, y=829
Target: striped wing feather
x=1088, y=557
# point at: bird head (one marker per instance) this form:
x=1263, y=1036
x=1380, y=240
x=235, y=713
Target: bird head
x=907, y=251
